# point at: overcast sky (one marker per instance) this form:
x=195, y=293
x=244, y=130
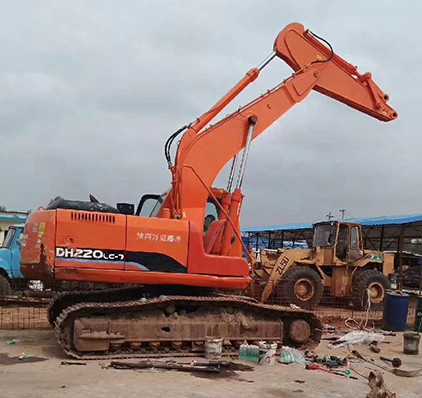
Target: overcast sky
x=90, y=90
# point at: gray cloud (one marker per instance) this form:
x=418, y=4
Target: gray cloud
x=90, y=90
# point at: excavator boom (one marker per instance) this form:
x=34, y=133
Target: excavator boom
x=203, y=154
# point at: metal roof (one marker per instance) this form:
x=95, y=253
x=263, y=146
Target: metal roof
x=13, y=219
x=393, y=222
x=282, y=227
x=379, y=233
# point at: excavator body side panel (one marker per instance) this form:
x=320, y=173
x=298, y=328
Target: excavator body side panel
x=38, y=246
x=115, y=248
x=90, y=239
x=156, y=244
x=151, y=278
x=85, y=239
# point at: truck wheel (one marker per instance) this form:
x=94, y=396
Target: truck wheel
x=301, y=286
x=5, y=289
x=373, y=282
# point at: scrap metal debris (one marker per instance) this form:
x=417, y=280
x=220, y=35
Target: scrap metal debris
x=397, y=372
x=378, y=387
x=337, y=373
x=407, y=373
x=374, y=348
x=330, y=361
x=72, y=363
x=224, y=364
x=396, y=362
x=205, y=366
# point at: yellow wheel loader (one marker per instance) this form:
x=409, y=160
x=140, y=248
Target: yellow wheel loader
x=336, y=264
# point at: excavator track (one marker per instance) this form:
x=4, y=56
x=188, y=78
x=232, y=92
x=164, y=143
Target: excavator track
x=178, y=325
x=66, y=299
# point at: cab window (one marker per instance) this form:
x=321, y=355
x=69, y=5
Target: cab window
x=342, y=242
x=9, y=238
x=354, y=238
x=212, y=212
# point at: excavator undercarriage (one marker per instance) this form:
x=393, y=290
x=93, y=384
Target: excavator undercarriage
x=173, y=325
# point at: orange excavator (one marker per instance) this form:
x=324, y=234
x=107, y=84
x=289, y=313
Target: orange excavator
x=181, y=252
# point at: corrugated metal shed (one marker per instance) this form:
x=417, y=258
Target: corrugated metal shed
x=374, y=221
x=379, y=233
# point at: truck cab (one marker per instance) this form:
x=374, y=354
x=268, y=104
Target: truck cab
x=10, y=259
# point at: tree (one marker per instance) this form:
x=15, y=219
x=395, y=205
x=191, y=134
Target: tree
x=3, y=208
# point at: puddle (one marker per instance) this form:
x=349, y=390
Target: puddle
x=6, y=360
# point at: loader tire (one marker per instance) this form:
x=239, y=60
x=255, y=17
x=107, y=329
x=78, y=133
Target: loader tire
x=376, y=282
x=5, y=288
x=301, y=286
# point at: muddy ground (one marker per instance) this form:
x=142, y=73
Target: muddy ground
x=41, y=375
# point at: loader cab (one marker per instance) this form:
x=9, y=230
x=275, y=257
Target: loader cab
x=339, y=239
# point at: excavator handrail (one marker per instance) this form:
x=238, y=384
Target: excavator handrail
x=217, y=202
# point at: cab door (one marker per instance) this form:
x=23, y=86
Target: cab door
x=15, y=249
x=355, y=250
x=342, y=244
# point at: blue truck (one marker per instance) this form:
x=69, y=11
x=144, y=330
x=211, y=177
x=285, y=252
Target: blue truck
x=10, y=259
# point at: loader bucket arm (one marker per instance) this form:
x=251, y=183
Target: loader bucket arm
x=300, y=49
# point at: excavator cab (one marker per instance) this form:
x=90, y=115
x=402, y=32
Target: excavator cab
x=151, y=205
x=340, y=240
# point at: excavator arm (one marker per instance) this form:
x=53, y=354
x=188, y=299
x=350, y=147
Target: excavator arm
x=340, y=80
x=202, y=155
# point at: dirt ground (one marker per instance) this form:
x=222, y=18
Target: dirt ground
x=47, y=378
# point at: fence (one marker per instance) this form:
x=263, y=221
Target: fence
x=27, y=307
x=23, y=312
